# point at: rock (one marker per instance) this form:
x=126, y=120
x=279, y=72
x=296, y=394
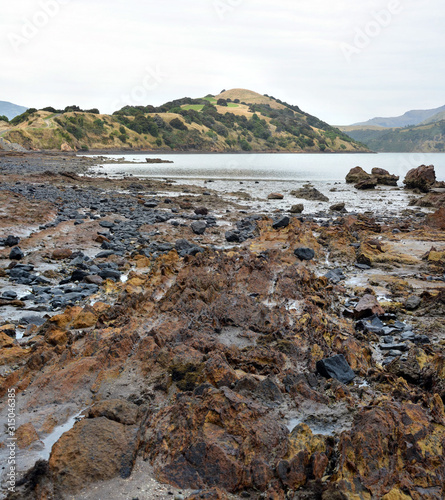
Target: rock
x=304, y=253
x=117, y=410
x=357, y=174
x=184, y=247
x=61, y=253
x=275, y=196
x=336, y=367
x=335, y=276
x=11, y=241
x=281, y=222
x=233, y=236
x=308, y=192
x=437, y=219
x=370, y=183
x=151, y=203
x=65, y=147
x=338, y=207
x=384, y=177
x=95, y=449
x=201, y=211
x=16, y=254
x=297, y=209
x=422, y=178
x=368, y=305
x=198, y=226
x=106, y=224
x=412, y=302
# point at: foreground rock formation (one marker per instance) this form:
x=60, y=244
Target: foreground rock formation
x=205, y=355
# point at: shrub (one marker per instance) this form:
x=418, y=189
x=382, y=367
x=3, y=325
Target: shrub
x=245, y=146
x=4, y=118
x=158, y=142
x=122, y=129
x=178, y=124
x=84, y=148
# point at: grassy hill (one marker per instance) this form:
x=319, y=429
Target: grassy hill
x=235, y=120
x=427, y=138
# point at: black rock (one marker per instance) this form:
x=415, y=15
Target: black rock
x=106, y=223
x=363, y=267
x=233, y=236
x=16, y=254
x=9, y=295
x=336, y=367
x=104, y=254
x=304, y=253
x=78, y=275
x=412, y=302
x=281, y=222
x=110, y=273
x=11, y=241
x=198, y=227
x=396, y=347
x=335, y=276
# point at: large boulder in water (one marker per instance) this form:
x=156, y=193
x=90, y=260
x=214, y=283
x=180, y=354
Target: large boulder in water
x=357, y=174
x=384, y=177
x=423, y=178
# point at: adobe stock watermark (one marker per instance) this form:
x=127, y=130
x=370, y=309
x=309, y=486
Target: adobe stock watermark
x=224, y=7
x=33, y=25
x=140, y=94
x=11, y=442
x=364, y=35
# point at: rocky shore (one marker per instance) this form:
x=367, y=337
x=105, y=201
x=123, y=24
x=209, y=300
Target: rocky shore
x=164, y=342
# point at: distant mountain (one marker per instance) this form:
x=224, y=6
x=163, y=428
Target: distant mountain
x=410, y=118
x=235, y=120
x=435, y=118
x=11, y=110
x=426, y=138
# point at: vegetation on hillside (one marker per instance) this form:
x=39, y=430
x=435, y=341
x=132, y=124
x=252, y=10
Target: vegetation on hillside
x=245, y=121
x=421, y=138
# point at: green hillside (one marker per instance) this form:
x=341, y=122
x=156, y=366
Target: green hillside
x=235, y=120
x=421, y=138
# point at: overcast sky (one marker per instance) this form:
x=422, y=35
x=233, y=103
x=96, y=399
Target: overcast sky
x=341, y=60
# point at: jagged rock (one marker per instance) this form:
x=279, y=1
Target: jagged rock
x=336, y=367
x=281, y=222
x=198, y=226
x=117, y=410
x=384, y=177
x=95, y=449
x=335, y=276
x=304, y=253
x=422, y=178
x=11, y=241
x=368, y=305
x=370, y=183
x=308, y=192
x=357, y=174
x=437, y=219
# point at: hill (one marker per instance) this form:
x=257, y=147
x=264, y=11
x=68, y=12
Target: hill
x=435, y=118
x=410, y=118
x=11, y=110
x=421, y=138
x=235, y=120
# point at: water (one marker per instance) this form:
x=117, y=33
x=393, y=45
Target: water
x=257, y=175
x=271, y=167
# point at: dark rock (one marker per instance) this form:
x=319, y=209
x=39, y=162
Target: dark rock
x=370, y=183
x=422, y=178
x=384, y=177
x=198, y=226
x=281, y=222
x=357, y=174
x=338, y=207
x=16, y=254
x=11, y=241
x=308, y=192
x=335, y=276
x=397, y=347
x=412, y=302
x=233, y=236
x=106, y=224
x=297, y=209
x=304, y=253
x=336, y=367
x=9, y=295
x=201, y=211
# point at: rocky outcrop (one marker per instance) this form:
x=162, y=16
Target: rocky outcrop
x=309, y=192
x=362, y=180
x=384, y=177
x=421, y=178
x=357, y=174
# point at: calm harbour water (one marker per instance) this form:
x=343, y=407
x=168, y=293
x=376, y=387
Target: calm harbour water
x=257, y=175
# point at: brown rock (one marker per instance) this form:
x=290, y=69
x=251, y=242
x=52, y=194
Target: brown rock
x=384, y=177
x=61, y=254
x=308, y=192
x=367, y=306
x=218, y=372
x=26, y=435
x=297, y=209
x=275, y=196
x=94, y=279
x=422, y=178
x=95, y=449
x=201, y=211
x=57, y=337
x=370, y=183
x=437, y=219
x=357, y=174
x=5, y=340
x=338, y=207
x=117, y=410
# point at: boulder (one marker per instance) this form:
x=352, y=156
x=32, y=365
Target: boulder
x=384, y=177
x=437, y=219
x=308, y=192
x=281, y=222
x=11, y=241
x=304, y=253
x=412, y=302
x=336, y=367
x=422, y=178
x=357, y=174
x=275, y=196
x=368, y=305
x=198, y=226
x=338, y=207
x=61, y=253
x=16, y=254
x=201, y=211
x=297, y=209
x=369, y=183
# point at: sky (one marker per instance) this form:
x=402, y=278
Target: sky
x=344, y=61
